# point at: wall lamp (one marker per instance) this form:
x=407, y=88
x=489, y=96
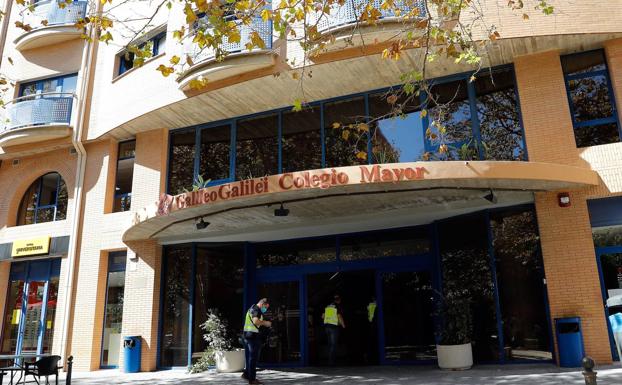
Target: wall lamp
x=201, y=224
x=491, y=197
x=281, y=211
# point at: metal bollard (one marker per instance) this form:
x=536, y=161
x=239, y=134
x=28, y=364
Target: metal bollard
x=588, y=371
x=69, y=370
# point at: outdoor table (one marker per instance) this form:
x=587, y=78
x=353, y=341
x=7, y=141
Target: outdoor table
x=18, y=365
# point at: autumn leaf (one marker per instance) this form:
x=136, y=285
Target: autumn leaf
x=363, y=127
x=196, y=84
x=336, y=125
x=266, y=15
x=175, y=60
x=165, y=70
x=297, y=105
x=424, y=113
x=345, y=134
x=361, y=155
x=106, y=37
x=392, y=99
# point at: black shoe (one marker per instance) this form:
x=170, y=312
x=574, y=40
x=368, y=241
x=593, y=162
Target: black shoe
x=244, y=376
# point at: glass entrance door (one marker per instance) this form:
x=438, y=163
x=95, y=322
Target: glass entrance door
x=30, y=308
x=610, y=266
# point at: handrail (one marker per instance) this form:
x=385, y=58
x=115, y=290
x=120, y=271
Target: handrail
x=38, y=110
x=54, y=14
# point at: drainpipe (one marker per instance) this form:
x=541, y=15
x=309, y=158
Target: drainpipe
x=5, y=26
x=86, y=66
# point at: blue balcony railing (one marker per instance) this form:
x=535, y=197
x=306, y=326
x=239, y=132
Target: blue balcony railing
x=263, y=28
x=53, y=108
x=56, y=13
x=350, y=12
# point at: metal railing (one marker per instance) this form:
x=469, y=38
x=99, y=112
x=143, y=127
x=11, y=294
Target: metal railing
x=37, y=110
x=55, y=13
x=263, y=28
x=350, y=12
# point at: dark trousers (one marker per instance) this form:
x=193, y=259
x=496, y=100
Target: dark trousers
x=332, y=332
x=252, y=348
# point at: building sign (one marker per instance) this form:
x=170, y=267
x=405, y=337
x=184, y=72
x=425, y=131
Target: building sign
x=292, y=181
x=29, y=247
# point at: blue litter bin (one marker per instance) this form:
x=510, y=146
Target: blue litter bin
x=569, y=341
x=131, y=354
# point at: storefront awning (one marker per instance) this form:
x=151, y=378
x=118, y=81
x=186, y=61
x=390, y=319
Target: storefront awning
x=326, y=200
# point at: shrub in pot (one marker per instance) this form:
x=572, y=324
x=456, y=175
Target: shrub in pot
x=220, y=351
x=454, y=350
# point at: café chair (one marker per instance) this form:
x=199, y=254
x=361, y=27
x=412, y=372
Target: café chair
x=45, y=367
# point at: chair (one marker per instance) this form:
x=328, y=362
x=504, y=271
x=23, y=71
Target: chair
x=44, y=367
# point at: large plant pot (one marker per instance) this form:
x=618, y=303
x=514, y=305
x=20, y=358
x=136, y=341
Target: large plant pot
x=455, y=357
x=230, y=361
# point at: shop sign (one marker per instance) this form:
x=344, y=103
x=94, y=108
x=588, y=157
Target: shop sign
x=27, y=247
x=292, y=181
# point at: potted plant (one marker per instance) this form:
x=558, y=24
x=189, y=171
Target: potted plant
x=220, y=351
x=454, y=350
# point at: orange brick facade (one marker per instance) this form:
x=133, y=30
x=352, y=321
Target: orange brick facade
x=569, y=258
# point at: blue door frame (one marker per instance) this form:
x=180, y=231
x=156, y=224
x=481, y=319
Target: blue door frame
x=600, y=251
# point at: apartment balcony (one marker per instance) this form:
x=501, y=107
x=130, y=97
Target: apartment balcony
x=37, y=118
x=239, y=59
x=51, y=23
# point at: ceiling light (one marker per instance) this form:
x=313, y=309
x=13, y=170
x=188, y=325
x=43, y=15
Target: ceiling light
x=201, y=224
x=281, y=211
x=491, y=197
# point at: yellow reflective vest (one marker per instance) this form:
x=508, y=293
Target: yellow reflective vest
x=330, y=315
x=249, y=326
x=371, y=310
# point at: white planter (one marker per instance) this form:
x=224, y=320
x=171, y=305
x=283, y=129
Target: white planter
x=231, y=361
x=455, y=357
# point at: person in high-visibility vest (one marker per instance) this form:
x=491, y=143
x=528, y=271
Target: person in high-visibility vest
x=371, y=347
x=253, y=340
x=333, y=319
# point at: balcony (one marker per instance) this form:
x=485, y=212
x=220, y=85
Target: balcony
x=51, y=23
x=36, y=118
x=238, y=60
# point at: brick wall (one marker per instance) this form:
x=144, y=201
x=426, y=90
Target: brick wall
x=568, y=251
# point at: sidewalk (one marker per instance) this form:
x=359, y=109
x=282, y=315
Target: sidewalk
x=392, y=375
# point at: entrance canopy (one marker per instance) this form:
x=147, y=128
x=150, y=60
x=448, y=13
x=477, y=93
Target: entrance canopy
x=344, y=199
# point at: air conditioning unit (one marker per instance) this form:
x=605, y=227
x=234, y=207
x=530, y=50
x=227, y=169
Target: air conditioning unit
x=16, y=162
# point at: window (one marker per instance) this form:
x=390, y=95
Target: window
x=126, y=58
x=124, y=176
x=44, y=201
x=301, y=140
x=257, y=147
x=344, y=132
x=61, y=84
x=113, y=312
x=591, y=99
x=215, y=153
x=181, y=161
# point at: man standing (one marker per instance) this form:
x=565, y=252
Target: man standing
x=333, y=319
x=253, y=339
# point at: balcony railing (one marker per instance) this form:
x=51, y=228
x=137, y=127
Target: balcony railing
x=52, y=108
x=56, y=14
x=350, y=12
x=263, y=28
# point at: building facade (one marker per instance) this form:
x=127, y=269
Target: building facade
x=106, y=229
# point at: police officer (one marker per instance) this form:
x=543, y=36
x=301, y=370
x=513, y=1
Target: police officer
x=253, y=339
x=333, y=319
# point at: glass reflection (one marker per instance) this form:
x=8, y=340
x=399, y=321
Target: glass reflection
x=214, y=157
x=346, y=132
x=301, y=140
x=607, y=236
x=257, y=147
x=283, y=343
x=295, y=252
x=393, y=243
x=181, y=162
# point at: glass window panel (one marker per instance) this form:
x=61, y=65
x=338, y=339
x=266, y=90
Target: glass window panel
x=521, y=288
x=45, y=214
x=497, y=110
x=449, y=115
x=595, y=135
x=466, y=274
x=384, y=244
x=283, y=344
x=113, y=315
x=611, y=265
x=214, y=159
x=127, y=149
x=50, y=314
x=70, y=83
x=346, y=140
x=32, y=319
x=257, y=147
x=28, y=89
x=295, y=252
x=26, y=215
x=583, y=62
x=176, y=307
x=61, y=202
x=607, y=236
x=124, y=176
x=12, y=316
x=219, y=285
x=590, y=98
x=301, y=140
x=408, y=305
x=51, y=85
x=49, y=184
x=396, y=129
x=181, y=162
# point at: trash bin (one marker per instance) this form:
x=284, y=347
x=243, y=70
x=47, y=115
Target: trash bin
x=569, y=341
x=131, y=354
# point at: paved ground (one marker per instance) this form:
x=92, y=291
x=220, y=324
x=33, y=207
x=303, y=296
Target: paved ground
x=396, y=375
